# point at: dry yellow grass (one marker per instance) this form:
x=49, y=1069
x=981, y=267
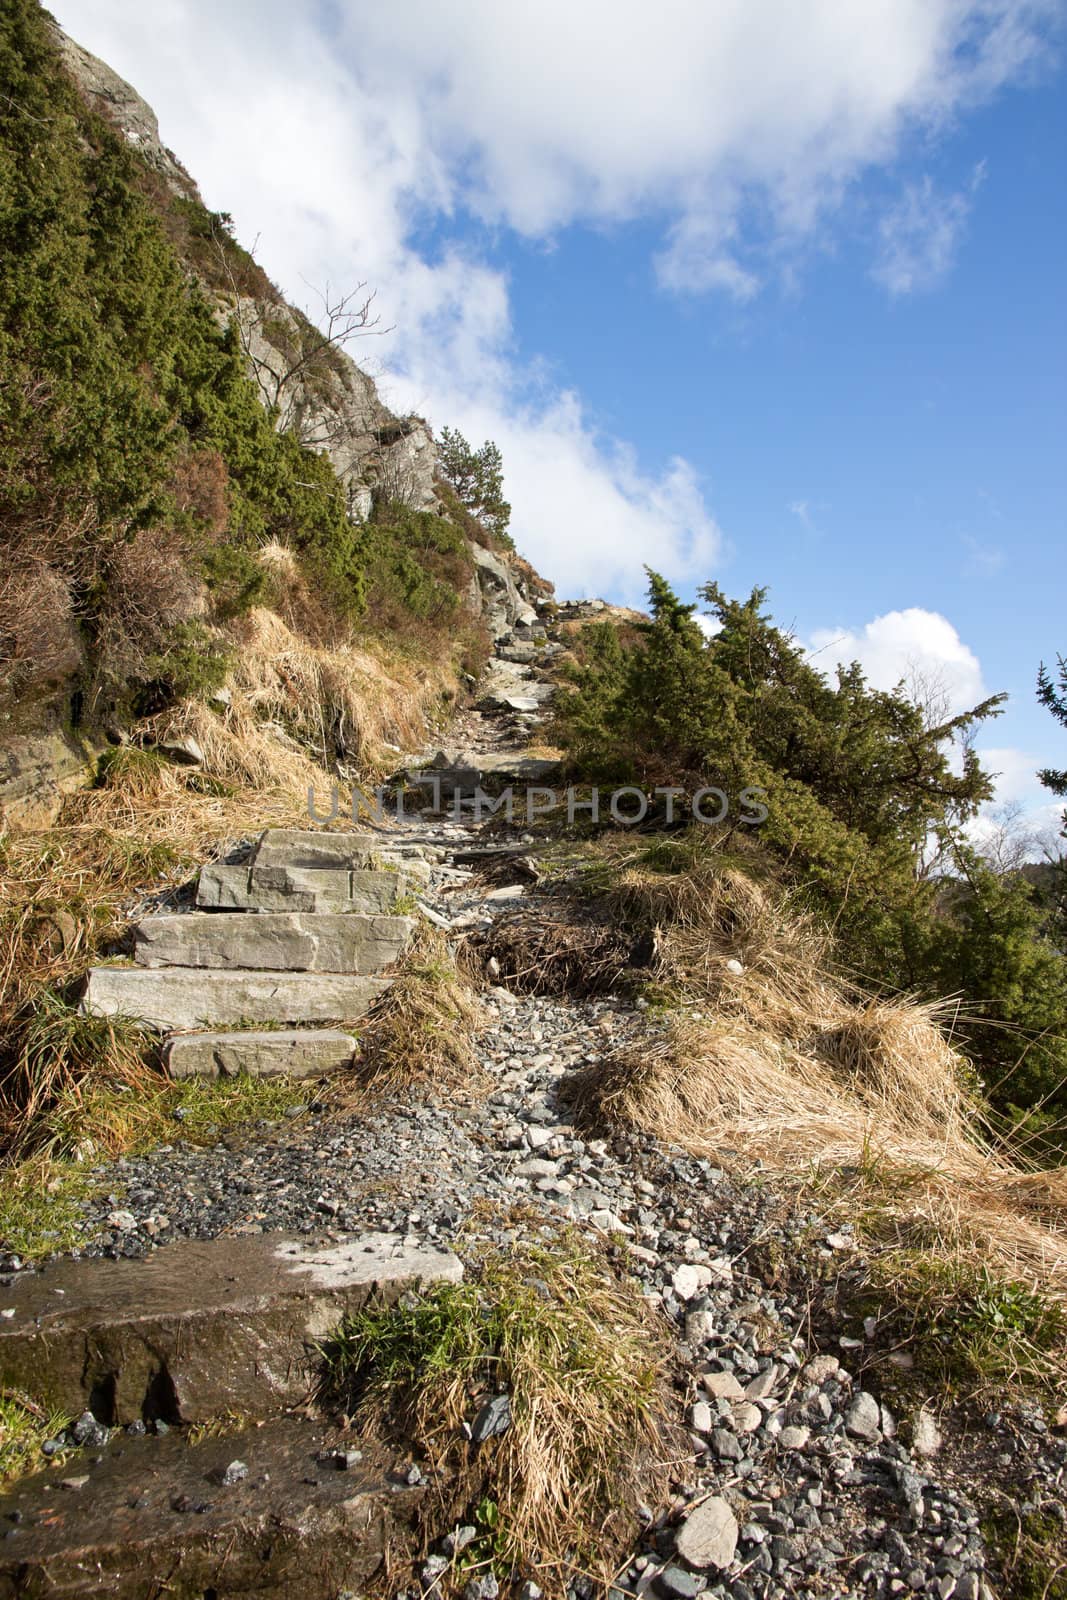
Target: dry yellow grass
x=298, y=709
x=787, y=1062
x=584, y=1363
x=421, y=1033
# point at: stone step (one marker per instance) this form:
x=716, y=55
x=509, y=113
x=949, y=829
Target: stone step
x=275, y=941
x=198, y=1328
x=177, y=998
x=161, y=1516
x=252, y=888
x=290, y=1053
x=314, y=848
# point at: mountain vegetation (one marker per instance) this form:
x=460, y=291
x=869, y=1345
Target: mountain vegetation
x=141, y=474
x=867, y=800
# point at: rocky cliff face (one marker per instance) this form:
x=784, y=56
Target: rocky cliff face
x=328, y=401
x=311, y=387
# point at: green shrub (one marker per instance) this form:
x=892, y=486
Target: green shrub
x=856, y=783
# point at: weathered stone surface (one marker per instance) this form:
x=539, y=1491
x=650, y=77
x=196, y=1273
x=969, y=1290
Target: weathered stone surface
x=307, y=847
x=200, y=1327
x=277, y=941
x=297, y=1053
x=36, y=772
x=503, y=606
x=184, y=997
x=113, y=97
x=154, y=1516
x=463, y=773
x=248, y=888
x=708, y=1537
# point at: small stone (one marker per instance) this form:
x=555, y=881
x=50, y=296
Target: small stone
x=699, y=1327
x=726, y=1445
x=794, y=1438
x=459, y=1538
x=236, y=1472
x=733, y=966
x=819, y=1368
x=840, y=1241
x=762, y=1384
x=675, y=1580
x=494, y=1418
x=722, y=1386
x=74, y=1483
x=687, y=1281
x=484, y=1587
x=86, y=1430
x=925, y=1434
x=708, y=1537
x=124, y=1221
x=700, y=1418
x=863, y=1418
x=746, y=1417
x=536, y=1168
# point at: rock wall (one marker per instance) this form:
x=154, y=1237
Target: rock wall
x=334, y=406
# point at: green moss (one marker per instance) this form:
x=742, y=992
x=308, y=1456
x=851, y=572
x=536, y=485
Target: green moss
x=1030, y=1550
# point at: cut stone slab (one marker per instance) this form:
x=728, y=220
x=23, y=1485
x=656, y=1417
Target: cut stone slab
x=199, y=1327
x=248, y=888
x=155, y=1517
x=277, y=941
x=306, y=847
x=297, y=1053
x=176, y=998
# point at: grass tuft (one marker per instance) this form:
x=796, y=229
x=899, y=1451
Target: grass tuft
x=421, y=1032
x=582, y=1360
x=24, y=1427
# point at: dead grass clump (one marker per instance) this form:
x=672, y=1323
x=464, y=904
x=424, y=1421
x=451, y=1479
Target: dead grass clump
x=420, y=1034
x=895, y=1058
x=559, y=953
x=340, y=703
x=582, y=1363
x=713, y=912
x=897, y=1116
x=40, y=645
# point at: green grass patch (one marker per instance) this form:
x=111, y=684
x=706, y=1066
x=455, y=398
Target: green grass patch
x=41, y=1207
x=206, y=1107
x=24, y=1427
x=966, y=1328
x=1030, y=1548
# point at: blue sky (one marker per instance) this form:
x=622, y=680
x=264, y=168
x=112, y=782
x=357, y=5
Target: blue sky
x=745, y=290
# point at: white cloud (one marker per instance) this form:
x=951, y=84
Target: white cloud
x=920, y=235
x=920, y=648
x=1015, y=771
x=345, y=137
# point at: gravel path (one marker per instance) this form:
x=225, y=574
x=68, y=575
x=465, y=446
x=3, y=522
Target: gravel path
x=826, y=1499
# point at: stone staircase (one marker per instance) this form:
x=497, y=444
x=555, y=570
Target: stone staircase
x=294, y=939
x=266, y=1496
